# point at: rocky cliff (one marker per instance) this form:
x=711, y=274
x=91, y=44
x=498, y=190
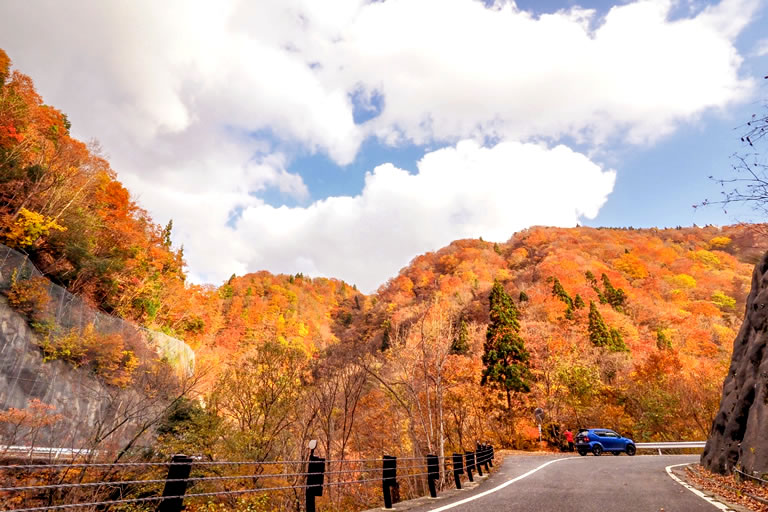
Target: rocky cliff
x=89, y=410
x=739, y=435
x=76, y=394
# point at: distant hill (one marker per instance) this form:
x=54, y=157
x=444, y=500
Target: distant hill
x=682, y=297
x=674, y=296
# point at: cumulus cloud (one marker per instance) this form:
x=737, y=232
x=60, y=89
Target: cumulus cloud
x=202, y=106
x=446, y=69
x=460, y=191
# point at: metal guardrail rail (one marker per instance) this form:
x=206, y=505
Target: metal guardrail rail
x=670, y=445
x=142, y=483
x=42, y=451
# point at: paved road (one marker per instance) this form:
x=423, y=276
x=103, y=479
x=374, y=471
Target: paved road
x=581, y=484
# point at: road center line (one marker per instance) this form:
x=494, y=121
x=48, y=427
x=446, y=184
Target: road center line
x=498, y=487
x=695, y=491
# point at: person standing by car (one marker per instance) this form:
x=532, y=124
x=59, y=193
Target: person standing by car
x=569, y=439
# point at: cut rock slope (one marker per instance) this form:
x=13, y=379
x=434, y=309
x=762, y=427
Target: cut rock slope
x=739, y=436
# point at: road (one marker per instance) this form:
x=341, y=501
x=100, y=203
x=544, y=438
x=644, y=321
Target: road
x=579, y=484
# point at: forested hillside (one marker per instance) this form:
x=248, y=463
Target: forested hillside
x=61, y=203
x=627, y=328
x=623, y=328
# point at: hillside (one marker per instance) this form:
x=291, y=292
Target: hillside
x=62, y=204
x=675, y=298
x=683, y=300
x=627, y=328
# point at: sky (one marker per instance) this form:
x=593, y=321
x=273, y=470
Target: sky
x=344, y=138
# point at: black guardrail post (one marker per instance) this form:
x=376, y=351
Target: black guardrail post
x=315, y=479
x=481, y=457
x=487, y=455
x=478, y=460
x=388, y=478
x=469, y=458
x=433, y=474
x=458, y=468
x=176, y=484
x=490, y=459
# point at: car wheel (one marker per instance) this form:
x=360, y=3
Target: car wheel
x=597, y=450
x=616, y=453
x=631, y=449
x=582, y=452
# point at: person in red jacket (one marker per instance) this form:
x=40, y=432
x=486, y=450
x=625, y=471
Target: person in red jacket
x=569, y=439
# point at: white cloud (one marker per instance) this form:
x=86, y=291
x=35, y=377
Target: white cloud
x=460, y=191
x=473, y=71
x=448, y=69
x=201, y=106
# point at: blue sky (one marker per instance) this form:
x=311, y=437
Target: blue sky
x=346, y=138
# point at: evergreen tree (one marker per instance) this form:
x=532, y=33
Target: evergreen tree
x=460, y=344
x=601, y=335
x=505, y=360
x=593, y=282
x=578, y=302
x=617, y=342
x=166, y=234
x=613, y=296
x=385, y=340
x=559, y=292
x=523, y=297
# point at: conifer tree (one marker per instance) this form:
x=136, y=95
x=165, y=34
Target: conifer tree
x=601, y=335
x=385, y=339
x=559, y=292
x=578, y=302
x=460, y=344
x=505, y=360
x=613, y=296
x=523, y=296
x=617, y=342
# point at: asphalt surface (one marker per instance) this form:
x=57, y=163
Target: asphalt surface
x=580, y=484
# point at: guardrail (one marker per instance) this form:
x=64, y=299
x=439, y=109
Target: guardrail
x=42, y=451
x=64, y=486
x=670, y=445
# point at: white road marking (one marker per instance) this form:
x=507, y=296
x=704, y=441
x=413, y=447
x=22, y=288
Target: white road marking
x=498, y=487
x=695, y=491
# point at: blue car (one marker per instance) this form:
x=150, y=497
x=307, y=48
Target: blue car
x=599, y=440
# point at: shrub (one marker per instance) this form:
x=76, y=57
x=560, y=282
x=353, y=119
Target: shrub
x=723, y=301
x=29, y=227
x=106, y=354
x=719, y=242
x=29, y=296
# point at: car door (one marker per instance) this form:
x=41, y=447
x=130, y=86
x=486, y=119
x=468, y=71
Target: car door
x=613, y=439
x=607, y=439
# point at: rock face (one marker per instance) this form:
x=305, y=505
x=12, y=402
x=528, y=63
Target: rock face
x=739, y=435
x=76, y=393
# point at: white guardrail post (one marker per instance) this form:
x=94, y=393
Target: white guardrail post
x=670, y=445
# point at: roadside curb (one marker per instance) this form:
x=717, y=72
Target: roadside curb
x=442, y=496
x=679, y=472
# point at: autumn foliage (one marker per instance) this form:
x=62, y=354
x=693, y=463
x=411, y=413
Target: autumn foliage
x=623, y=328
x=61, y=203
